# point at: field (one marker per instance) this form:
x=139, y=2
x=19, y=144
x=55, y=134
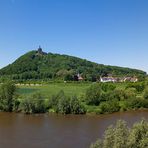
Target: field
x=53, y=88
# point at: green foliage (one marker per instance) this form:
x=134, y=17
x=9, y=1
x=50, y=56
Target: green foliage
x=7, y=96
x=121, y=136
x=145, y=93
x=137, y=103
x=118, y=94
x=109, y=106
x=33, y=104
x=97, y=144
x=93, y=94
x=66, y=105
x=139, y=86
x=55, y=66
x=26, y=105
x=76, y=106
x=16, y=105
x=63, y=105
x=53, y=102
x=107, y=87
x=138, y=137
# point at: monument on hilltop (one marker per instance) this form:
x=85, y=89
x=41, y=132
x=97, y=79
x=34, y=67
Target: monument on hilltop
x=40, y=51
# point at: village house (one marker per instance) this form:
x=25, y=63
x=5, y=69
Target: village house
x=117, y=79
x=130, y=79
x=107, y=79
x=80, y=78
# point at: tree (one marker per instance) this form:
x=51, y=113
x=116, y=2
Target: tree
x=64, y=105
x=97, y=144
x=145, y=93
x=7, y=92
x=130, y=93
x=76, y=106
x=138, y=137
x=109, y=106
x=93, y=95
x=53, y=102
x=33, y=104
x=121, y=136
x=107, y=87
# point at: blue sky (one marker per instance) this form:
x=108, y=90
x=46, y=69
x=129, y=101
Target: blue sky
x=112, y=32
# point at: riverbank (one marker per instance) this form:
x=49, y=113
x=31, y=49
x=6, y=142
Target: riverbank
x=99, y=98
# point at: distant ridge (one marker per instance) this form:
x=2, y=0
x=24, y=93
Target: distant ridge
x=37, y=64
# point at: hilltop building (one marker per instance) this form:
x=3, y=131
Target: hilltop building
x=40, y=51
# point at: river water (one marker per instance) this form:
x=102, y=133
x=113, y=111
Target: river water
x=57, y=131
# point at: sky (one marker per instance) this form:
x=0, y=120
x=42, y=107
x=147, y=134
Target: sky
x=111, y=32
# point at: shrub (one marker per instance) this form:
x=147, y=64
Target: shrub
x=121, y=94
x=139, y=86
x=33, y=104
x=109, y=106
x=67, y=105
x=93, y=95
x=16, y=105
x=7, y=93
x=76, y=106
x=121, y=136
x=53, y=102
x=130, y=93
x=63, y=105
x=145, y=93
x=137, y=103
x=107, y=87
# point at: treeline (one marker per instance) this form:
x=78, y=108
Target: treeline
x=99, y=98
x=108, y=98
x=121, y=136
x=36, y=103
x=33, y=66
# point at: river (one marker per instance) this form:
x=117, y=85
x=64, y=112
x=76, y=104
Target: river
x=57, y=131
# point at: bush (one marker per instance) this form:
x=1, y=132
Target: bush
x=66, y=105
x=93, y=95
x=121, y=136
x=130, y=93
x=139, y=86
x=109, y=106
x=63, y=105
x=145, y=93
x=76, y=106
x=137, y=103
x=33, y=104
x=7, y=96
x=121, y=94
x=16, y=105
x=117, y=94
x=53, y=102
x=107, y=87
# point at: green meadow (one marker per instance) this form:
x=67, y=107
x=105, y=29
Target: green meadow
x=70, y=89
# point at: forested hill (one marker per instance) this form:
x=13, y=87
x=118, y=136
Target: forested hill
x=40, y=65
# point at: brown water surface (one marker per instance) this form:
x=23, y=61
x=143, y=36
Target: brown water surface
x=57, y=131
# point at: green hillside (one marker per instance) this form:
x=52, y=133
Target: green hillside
x=39, y=65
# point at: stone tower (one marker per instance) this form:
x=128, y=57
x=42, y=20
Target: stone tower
x=40, y=51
